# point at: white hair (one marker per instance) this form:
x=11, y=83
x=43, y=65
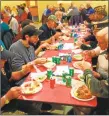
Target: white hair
x=102, y=32
x=82, y=6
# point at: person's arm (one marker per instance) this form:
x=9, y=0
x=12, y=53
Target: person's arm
x=44, y=45
x=17, y=62
x=50, y=40
x=97, y=87
x=13, y=93
x=103, y=73
x=44, y=36
x=18, y=75
x=105, y=21
x=93, y=53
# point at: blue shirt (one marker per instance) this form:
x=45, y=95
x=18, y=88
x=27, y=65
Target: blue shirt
x=90, y=11
x=4, y=27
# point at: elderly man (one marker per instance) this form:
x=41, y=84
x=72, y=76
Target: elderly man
x=59, y=15
x=49, y=34
x=98, y=87
x=102, y=38
x=97, y=82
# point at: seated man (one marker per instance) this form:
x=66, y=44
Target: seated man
x=49, y=34
x=98, y=87
x=9, y=94
x=37, y=46
x=102, y=38
x=24, y=51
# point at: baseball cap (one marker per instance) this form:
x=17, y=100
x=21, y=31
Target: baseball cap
x=105, y=52
x=54, y=18
x=26, y=22
x=31, y=30
x=5, y=54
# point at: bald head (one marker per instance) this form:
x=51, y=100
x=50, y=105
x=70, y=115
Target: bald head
x=102, y=32
x=106, y=38
x=102, y=38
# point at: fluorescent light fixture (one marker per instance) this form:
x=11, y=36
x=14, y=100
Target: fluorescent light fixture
x=60, y=1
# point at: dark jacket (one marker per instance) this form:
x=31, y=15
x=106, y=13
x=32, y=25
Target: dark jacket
x=83, y=14
x=47, y=32
x=7, y=38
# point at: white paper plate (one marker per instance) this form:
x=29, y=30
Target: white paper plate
x=49, y=59
x=75, y=64
x=73, y=94
x=40, y=78
x=41, y=54
x=49, y=65
x=26, y=90
x=78, y=57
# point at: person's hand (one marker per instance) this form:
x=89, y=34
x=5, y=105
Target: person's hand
x=85, y=66
x=96, y=74
x=13, y=93
x=79, y=43
x=44, y=45
x=27, y=68
x=57, y=35
x=87, y=56
x=86, y=53
x=59, y=26
x=90, y=53
x=40, y=61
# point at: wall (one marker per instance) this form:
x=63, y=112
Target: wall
x=11, y=3
x=42, y=4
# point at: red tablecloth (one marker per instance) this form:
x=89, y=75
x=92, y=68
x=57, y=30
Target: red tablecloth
x=60, y=94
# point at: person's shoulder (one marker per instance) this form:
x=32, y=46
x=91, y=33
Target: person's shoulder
x=4, y=24
x=43, y=27
x=15, y=44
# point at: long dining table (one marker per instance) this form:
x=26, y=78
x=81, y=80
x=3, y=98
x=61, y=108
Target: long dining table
x=60, y=94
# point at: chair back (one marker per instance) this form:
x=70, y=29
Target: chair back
x=7, y=38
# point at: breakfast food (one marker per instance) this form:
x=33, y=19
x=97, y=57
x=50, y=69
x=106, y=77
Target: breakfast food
x=49, y=65
x=40, y=78
x=77, y=57
x=83, y=92
x=31, y=87
x=81, y=64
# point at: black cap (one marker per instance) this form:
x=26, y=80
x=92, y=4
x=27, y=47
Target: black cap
x=31, y=30
x=105, y=52
x=5, y=54
x=26, y=22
